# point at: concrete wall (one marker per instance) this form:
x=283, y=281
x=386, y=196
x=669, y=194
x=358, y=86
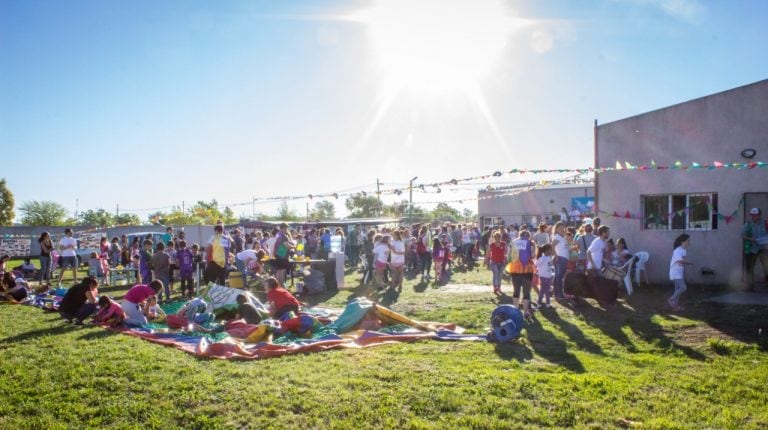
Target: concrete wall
x=716, y=127
x=539, y=203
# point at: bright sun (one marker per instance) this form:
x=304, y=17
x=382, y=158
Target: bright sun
x=437, y=45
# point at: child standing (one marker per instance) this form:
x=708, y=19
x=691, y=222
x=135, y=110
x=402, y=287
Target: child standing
x=546, y=269
x=184, y=259
x=161, y=268
x=677, y=270
x=145, y=258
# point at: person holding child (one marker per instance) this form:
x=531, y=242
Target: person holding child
x=135, y=298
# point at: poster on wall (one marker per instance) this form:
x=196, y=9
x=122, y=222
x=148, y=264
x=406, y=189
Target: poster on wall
x=15, y=247
x=582, y=207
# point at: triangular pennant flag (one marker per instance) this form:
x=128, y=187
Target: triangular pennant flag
x=653, y=164
x=719, y=165
x=728, y=219
x=615, y=214
x=627, y=215
x=629, y=166
x=695, y=165
x=680, y=212
x=618, y=165
x=678, y=164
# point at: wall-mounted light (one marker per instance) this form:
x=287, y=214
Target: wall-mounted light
x=748, y=153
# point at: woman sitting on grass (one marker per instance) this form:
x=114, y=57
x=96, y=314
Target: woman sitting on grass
x=11, y=289
x=80, y=301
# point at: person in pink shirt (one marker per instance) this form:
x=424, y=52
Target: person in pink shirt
x=110, y=313
x=135, y=297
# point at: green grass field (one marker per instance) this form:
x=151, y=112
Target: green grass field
x=632, y=366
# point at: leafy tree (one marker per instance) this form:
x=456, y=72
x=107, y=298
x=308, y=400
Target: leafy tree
x=360, y=206
x=6, y=204
x=323, y=210
x=127, y=219
x=284, y=213
x=99, y=217
x=37, y=213
x=443, y=212
x=468, y=215
x=228, y=216
x=177, y=217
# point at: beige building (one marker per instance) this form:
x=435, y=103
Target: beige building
x=708, y=203
x=499, y=206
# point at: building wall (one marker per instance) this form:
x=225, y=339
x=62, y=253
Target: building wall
x=716, y=127
x=539, y=203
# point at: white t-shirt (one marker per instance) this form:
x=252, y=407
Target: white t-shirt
x=270, y=245
x=245, y=255
x=561, y=249
x=596, y=249
x=68, y=241
x=540, y=238
x=398, y=246
x=677, y=271
x=381, y=252
x=545, y=267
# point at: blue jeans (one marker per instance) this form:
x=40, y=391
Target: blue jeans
x=241, y=268
x=561, y=264
x=45, y=268
x=497, y=269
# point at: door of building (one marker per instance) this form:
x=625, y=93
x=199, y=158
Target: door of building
x=755, y=200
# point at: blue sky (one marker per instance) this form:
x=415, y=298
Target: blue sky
x=147, y=104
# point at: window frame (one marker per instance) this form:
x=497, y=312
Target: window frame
x=690, y=225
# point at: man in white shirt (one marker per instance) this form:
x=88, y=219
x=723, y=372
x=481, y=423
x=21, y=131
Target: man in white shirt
x=68, y=250
x=596, y=251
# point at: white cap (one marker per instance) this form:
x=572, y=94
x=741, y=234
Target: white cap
x=754, y=211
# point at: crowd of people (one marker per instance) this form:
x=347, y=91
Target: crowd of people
x=533, y=258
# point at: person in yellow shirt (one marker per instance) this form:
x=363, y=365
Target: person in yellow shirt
x=217, y=257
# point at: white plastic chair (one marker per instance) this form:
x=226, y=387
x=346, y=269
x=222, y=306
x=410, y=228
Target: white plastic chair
x=627, y=268
x=642, y=258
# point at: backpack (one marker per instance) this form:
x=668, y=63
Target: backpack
x=420, y=247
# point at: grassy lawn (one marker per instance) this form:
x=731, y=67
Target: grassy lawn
x=630, y=366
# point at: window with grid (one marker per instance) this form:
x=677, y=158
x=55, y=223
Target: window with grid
x=680, y=211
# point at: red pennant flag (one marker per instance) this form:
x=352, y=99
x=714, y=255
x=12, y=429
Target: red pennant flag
x=718, y=165
x=627, y=215
x=728, y=219
x=616, y=214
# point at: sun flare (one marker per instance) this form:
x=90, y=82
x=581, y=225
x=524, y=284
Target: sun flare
x=437, y=45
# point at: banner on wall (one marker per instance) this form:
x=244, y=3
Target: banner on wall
x=583, y=205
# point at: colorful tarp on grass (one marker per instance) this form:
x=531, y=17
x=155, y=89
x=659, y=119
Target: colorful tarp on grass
x=362, y=324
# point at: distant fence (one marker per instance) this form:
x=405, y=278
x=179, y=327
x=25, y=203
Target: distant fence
x=21, y=241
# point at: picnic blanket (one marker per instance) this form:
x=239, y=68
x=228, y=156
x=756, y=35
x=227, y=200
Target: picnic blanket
x=357, y=326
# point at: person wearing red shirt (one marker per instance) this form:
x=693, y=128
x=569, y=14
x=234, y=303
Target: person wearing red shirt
x=281, y=301
x=495, y=258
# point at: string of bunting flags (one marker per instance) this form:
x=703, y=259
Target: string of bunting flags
x=437, y=186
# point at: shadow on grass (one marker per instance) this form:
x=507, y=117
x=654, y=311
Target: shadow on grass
x=552, y=349
x=101, y=333
x=421, y=286
x=62, y=329
x=639, y=320
x=572, y=331
x=514, y=351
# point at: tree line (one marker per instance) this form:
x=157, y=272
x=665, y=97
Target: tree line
x=44, y=213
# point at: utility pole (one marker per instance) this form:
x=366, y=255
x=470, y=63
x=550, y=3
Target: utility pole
x=117, y=210
x=410, y=200
x=253, y=208
x=378, y=197
x=307, y=211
